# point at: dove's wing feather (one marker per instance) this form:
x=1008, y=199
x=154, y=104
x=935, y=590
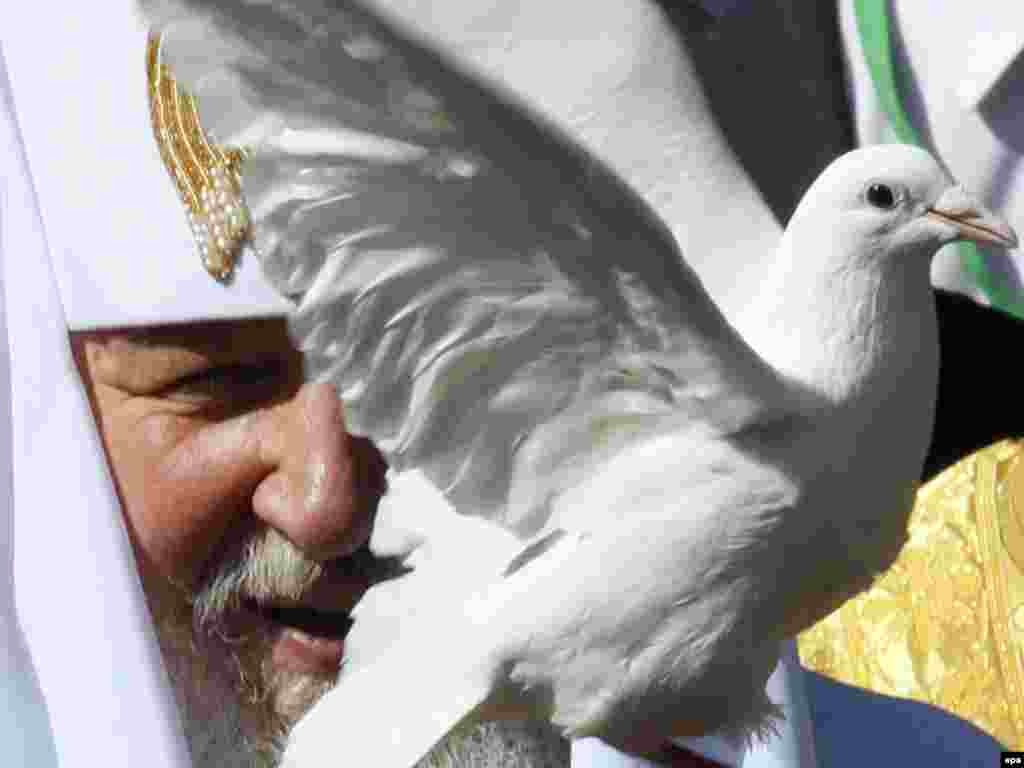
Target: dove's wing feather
x=489, y=299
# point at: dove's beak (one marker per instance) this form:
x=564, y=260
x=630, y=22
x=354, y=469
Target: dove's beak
x=971, y=220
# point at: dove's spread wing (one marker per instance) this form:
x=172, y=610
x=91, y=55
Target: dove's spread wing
x=496, y=309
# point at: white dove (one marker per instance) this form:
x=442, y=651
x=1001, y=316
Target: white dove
x=651, y=498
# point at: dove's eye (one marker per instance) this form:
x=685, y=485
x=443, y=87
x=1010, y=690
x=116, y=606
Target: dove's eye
x=881, y=196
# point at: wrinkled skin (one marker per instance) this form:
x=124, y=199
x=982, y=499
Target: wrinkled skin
x=210, y=433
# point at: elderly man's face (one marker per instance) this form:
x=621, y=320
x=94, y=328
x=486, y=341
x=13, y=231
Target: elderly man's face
x=243, y=495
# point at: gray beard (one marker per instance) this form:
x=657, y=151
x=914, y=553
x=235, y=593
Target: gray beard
x=221, y=743
x=501, y=744
x=219, y=734
x=235, y=716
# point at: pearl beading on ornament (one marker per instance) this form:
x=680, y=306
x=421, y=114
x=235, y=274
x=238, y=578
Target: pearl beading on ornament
x=208, y=176
x=221, y=225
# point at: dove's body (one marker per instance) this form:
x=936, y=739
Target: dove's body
x=734, y=538
x=502, y=315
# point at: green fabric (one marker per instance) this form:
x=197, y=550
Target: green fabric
x=873, y=24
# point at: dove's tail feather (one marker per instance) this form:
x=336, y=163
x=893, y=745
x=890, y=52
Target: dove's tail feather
x=393, y=712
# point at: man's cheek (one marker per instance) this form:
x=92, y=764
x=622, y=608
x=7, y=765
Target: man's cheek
x=185, y=492
x=174, y=543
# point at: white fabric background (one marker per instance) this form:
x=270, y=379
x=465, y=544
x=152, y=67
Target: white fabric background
x=25, y=730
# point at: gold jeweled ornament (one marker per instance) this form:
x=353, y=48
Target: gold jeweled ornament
x=945, y=624
x=208, y=177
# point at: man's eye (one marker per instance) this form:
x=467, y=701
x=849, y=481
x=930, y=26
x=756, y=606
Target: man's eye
x=230, y=382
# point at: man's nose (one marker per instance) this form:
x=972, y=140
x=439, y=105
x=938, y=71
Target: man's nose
x=324, y=485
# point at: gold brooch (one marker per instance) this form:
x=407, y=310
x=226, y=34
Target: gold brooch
x=208, y=177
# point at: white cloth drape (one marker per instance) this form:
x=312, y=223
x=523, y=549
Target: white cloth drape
x=86, y=685
x=25, y=730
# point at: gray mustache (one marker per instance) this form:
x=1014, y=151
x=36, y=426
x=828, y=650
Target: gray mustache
x=270, y=569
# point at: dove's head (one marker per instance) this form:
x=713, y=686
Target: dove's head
x=894, y=201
